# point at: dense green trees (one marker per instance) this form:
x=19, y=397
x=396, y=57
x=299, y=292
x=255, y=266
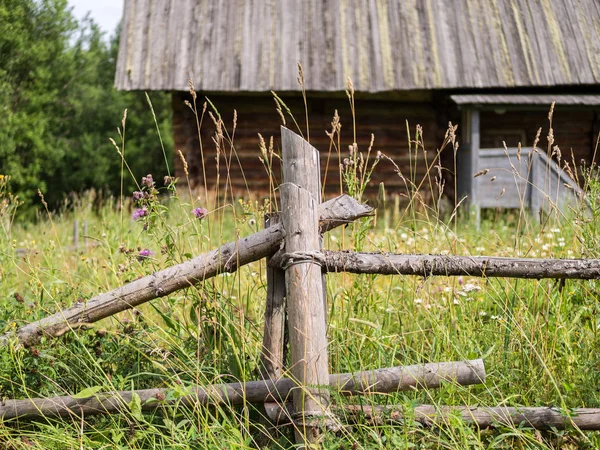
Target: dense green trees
x=58, y=107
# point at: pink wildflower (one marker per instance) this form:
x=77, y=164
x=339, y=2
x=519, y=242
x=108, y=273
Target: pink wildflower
x=143, y=254
x=200, y=213
x=139, y=213
x=148, y=181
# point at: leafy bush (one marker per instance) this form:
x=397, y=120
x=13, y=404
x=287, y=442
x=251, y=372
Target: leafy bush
x=59, y=107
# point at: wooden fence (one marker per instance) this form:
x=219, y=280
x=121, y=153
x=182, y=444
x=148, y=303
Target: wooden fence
x=296, y=284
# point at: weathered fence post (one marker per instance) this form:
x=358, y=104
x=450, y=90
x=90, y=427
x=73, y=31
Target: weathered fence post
x=76, y=234
x=304, y=170
x=85, y=233
x=304, y=285
x=273, y=351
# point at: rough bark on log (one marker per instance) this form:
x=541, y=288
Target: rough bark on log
x=445, y=265
x=541, y=418
x=387, y=380
x=226, y=258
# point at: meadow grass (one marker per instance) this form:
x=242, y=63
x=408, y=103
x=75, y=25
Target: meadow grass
x=539, y=339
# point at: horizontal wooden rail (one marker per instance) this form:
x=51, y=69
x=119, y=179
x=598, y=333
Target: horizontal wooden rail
x=226, y=258
x=392, y=379
x=445, y=265
x=541, y=418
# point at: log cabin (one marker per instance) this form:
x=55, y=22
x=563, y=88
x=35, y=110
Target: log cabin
x=492, y=67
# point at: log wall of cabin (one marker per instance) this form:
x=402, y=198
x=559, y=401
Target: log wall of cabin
x=386, y=119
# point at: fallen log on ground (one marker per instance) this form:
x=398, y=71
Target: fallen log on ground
x=541, y=418
x=387, y=380
x=226, y=258
x=445, y=265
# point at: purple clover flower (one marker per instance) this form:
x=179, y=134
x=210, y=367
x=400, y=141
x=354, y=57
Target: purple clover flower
x=137, y=195
x=148, y=181
x=200, y=213
x=144, y=254
x=139, y=213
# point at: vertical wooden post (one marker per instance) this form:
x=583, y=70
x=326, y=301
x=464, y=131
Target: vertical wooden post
x=76, y=234
x=468, y=160
x=273, y=356
x=300, y=196
x=475, y=149
x=303, y=168
x=273, y=353
x=85, y=233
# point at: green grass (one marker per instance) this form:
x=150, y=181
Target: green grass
x=539, y=339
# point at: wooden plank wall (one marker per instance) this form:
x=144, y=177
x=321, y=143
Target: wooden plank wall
x=257, y=114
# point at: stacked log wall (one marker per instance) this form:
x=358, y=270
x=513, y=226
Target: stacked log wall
x=386, y=119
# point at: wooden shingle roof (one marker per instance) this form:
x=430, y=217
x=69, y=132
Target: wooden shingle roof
x=382, y=45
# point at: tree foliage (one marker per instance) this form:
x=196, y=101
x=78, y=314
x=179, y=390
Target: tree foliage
x=59, y=107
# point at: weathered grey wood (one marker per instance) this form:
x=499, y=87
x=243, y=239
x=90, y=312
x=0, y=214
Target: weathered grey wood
x=273, y=351
x=302, y=167
x=76, y=234
x=474, y=141
x=306, y=310
x=301, y=163
x=85, y=233
x=382, y=45
x=532, y=181
x=446, y=265
x=226, y=258
x=549, y=187
x=387, y=380
x=541, y=418
x=505, y=185
x=305, y=283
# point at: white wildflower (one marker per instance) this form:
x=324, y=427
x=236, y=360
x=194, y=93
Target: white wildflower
x=469, y=287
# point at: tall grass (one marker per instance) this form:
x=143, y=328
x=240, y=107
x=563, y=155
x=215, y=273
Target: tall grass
x=539, y=339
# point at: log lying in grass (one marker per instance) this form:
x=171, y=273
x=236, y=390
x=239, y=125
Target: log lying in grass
x=387, y=380
x=541, y=418
x=428, y=265
x=226, y=258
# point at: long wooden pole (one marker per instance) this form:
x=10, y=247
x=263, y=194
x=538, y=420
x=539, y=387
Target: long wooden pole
x=273, y=350
x=542, y=418
x=445, y=265
x=226, y=258
x=388, y=380
x=305, y=293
